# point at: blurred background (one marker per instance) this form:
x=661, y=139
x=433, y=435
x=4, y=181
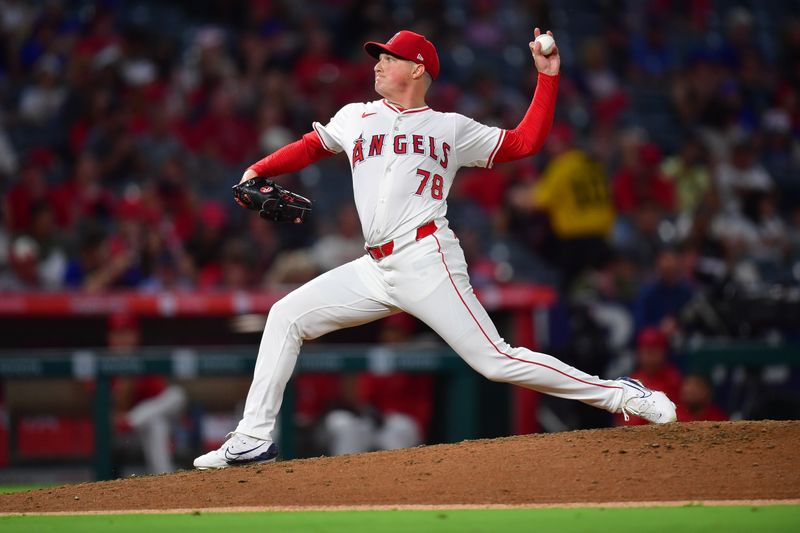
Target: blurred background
x=657, y=234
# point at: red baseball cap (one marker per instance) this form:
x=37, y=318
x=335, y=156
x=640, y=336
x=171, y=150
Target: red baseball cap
x=652, y=337
x=409, y=46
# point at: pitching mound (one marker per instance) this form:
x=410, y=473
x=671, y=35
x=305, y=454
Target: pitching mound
x=698, y=461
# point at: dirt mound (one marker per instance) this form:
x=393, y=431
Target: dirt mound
x=698, y=461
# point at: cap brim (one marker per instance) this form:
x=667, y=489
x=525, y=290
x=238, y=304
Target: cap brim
x=375, y=49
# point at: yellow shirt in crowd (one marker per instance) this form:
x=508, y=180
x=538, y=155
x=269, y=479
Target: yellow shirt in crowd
x=573, y=189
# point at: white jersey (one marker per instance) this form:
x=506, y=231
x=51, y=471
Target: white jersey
x=404, y=162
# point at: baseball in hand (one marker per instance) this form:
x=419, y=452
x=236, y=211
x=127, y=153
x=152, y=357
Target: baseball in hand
x=546, y=43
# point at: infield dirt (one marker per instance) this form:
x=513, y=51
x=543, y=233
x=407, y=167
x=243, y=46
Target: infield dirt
x=700, y=461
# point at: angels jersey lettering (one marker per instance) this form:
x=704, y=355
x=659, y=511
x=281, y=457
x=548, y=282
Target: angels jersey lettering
x=404, y=161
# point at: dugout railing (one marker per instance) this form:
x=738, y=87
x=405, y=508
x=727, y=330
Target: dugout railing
x=100, y=366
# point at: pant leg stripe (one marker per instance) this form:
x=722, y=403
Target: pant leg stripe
x=453, y=283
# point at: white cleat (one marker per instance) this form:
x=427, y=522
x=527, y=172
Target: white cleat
x=653, y=406
x=238, y=450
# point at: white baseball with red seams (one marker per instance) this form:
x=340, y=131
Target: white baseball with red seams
x=546, y=42
x=403, y=163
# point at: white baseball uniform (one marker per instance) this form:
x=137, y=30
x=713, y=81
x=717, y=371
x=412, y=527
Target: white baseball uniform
x=403, y=164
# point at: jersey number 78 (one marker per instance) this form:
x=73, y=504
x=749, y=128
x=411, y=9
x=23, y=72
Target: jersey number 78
x=436, y=184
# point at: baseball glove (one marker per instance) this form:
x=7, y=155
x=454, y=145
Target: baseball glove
x=272, y=201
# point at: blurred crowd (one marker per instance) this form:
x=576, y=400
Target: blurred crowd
x=673, y=166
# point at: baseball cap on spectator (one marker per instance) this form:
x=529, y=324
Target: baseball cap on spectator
x=652, y=337
x=409, y=46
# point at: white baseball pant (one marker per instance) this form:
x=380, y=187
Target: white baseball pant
x=427, y=279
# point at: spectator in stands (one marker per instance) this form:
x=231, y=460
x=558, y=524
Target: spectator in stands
x=291, y=267
x=145, y=405
x=318, y=69
x=52, y=259
x=264, y=240
x=759, y=235
x=653, y=368
x=382, y=411
x=741, y=178
x=223, y=132
x=176, y=203
x=639, y=181
x=638, y=236
x=236, y=267
x=652, y=57
x=661, y=300
x=96, y=268
x=83, y=196
x=697, y=401
x=161, y=142
x=603, y=85
x=573, y=191
x=619, y=281
x=41, y=101
x=29, y=188
x=165, y=264
x=23, y=261
x=780, y=124
x=689, y=173
x=341, y=243
x=111, y=139
x=207, y=241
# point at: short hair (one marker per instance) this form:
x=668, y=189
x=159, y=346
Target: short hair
x=428, y=80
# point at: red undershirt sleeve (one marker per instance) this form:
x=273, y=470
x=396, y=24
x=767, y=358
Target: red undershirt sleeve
x=292, y=157
x=529, y=136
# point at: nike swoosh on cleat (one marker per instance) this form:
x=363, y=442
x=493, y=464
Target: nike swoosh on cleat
x=268, y=456
x=365, y=115
x=232, y=456
x=646, y=393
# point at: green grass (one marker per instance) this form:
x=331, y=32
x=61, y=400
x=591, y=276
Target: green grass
x=681, y=519
x=5, y=489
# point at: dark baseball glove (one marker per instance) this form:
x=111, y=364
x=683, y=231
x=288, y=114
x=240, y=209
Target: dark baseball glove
x=272, y=201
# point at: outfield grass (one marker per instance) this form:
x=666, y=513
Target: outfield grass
x=683, y=519
x=20, y=488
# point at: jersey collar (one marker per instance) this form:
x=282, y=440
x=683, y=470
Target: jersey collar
x=401, y=111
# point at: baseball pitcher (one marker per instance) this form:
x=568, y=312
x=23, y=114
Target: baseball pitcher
x=404, y=156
